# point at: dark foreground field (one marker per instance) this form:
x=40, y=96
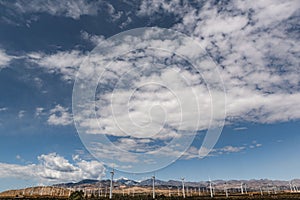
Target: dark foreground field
x=143, y=197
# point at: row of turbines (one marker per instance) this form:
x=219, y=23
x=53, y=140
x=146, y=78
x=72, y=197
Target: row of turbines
x=46, y=191
x=183, y=191
x=243, y=188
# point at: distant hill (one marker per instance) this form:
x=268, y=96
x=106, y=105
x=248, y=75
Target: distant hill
x=253, y=183
x=123, y=185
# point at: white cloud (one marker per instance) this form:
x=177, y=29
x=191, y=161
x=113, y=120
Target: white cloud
x=4, y=59
x=65, y=63
x=95, y=39
x=113, y=153
x=39, y=111
x=125, y=23
x=195, y=153
x=57, y=163
x=21, y=114
x=256, y=89
x=231, y=149
x=256, y=48
x=240, y=128
x=3, y=109
x=53, y=168
x=72, y=9
x=60, y=116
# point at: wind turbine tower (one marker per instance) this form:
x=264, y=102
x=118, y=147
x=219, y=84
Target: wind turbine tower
x=291, y=186
x=112, y=173
x=169, y=190
x=211, y=189
x=153, y=187
x=183, y=192
x=226, y=190
x=242, y=189
x=261, y=192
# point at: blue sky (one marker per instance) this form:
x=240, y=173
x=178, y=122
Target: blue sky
x=255, y=47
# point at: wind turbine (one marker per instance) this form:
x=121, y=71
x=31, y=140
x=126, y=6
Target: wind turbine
x=290, y=183
x=275, y=189
x=295, y=188
x=99, y=191
x=51, y=191
x=261, y=192
x=70, y=191
x=242, y=188
x=226, y=190
x=111, y=183
x=183, y=192
x=187, y=190
x=169, y=190
x=31, y=191
x=210, y=189
x=268, y=188
x=153, y=186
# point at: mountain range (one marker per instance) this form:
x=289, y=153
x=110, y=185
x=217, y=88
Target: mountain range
x=253, y=183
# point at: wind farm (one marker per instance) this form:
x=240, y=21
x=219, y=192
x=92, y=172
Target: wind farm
x=153, y=188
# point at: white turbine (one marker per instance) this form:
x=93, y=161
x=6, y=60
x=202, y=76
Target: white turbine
x=268, y=190
x=99, y=191
x=211, y=189
x=111, y=183
x=183, y=192
x=153, y=187
x=187, y=191
x=261, y=192
x=226, y=190
x=242, y=188
x=169, y=190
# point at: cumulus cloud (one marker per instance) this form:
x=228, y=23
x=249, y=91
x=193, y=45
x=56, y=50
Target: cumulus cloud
x=52, y=161
x=257, y=89
x=4, y=59
x=53, y=168
x=60, y=116
x=256, y=48
x=65, y=63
